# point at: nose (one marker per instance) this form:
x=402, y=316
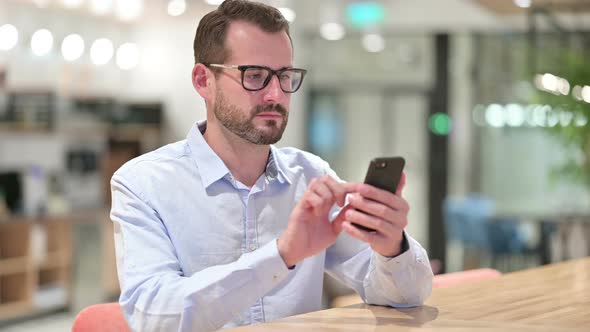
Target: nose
x=272, y=92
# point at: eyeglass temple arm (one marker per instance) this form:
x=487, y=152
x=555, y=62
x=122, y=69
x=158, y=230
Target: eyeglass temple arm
x=223, y=66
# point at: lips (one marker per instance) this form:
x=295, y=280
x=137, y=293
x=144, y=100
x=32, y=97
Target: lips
x=271, y=115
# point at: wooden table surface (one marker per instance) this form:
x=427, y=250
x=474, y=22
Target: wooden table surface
x=550, y=298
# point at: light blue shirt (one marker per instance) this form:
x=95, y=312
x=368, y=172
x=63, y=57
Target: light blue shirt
x=197, y=250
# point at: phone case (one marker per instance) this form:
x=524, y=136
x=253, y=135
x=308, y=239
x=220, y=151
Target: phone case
x=384, y=173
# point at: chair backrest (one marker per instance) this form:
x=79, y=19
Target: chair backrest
x=464, y=277
x=465, y=219
x=104, y=317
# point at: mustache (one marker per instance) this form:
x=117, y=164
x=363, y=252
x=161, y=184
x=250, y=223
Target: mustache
x=270, y=108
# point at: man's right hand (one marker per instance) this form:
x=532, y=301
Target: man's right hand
x=309, y=230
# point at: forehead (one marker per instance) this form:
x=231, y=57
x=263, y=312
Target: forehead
x=250, y=45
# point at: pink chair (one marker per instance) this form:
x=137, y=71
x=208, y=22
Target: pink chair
x=463, y=277
x=104, y=317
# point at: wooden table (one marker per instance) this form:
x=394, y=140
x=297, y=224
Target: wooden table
x=554, y=297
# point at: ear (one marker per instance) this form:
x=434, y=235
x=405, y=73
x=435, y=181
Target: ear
x=203, y=81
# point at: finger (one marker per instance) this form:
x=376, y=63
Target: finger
x=401, y=185
x=371, y=207
x=397, y=219
x=385, y=197
x=338, y=189
x=368, y=237
x=352, y=187
x=321, y=189
x=314, y=202
x=380, y=225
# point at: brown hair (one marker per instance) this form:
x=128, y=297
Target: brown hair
x=209, y=45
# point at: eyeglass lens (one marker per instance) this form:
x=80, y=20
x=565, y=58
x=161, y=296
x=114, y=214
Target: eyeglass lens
x=258, y=78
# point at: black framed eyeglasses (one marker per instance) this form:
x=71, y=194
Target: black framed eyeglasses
x=255, y=78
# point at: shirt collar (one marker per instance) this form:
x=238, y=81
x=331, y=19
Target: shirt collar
x=274, y=161
x=212, y=168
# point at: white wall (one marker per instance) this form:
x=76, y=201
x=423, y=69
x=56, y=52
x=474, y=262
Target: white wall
x=164, y=73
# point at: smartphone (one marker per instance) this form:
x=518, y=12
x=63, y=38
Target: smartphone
x=384, y=173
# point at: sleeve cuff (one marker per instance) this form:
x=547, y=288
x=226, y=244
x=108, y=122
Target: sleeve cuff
x=269, y=267
x=404, y=257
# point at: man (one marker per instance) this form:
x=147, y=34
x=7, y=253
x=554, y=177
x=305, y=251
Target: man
x=223, y=229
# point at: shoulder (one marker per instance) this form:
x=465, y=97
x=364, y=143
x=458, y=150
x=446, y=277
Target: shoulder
x=155, y=161
x=297, y=160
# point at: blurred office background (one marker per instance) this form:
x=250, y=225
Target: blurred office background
x=487, y=100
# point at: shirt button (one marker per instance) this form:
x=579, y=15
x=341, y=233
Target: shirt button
x=252, y=247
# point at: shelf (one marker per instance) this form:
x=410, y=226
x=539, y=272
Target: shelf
x=14, y=240
x=16, y=287
x=50, y=296
x=58, y=236
x=14, y=309
x=55, y=260
x=57, y=276
x=34, y=276
x=10, y=127
x=14, y=265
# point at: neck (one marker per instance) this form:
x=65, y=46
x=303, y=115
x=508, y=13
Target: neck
x=246, y=161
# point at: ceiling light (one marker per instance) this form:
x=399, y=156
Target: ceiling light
x=581, y=120
x=577, y=92
x=176, y=7
x=129, y=10
x=549, y=82
x=101, y=7
x=72, y=47
x=585, y=93
x=495, y=115
x=214, y=2
x=515, y=115
x=41, y=42
x=540, y=115
x=72, y=4
x=565, y=118
x=101, y=51
x=332, y=31
x=523, y=3
x=41, y=3
x=563, y=86
x=8, y=37
x=373, y=42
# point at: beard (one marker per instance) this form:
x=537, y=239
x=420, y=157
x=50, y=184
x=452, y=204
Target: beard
x=242, y=124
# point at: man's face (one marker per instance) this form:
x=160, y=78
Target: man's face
x=259, y=117
x=244, y=123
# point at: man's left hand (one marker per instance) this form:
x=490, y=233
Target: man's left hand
x=381, y=210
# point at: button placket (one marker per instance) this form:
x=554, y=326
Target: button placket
x=251, y=237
